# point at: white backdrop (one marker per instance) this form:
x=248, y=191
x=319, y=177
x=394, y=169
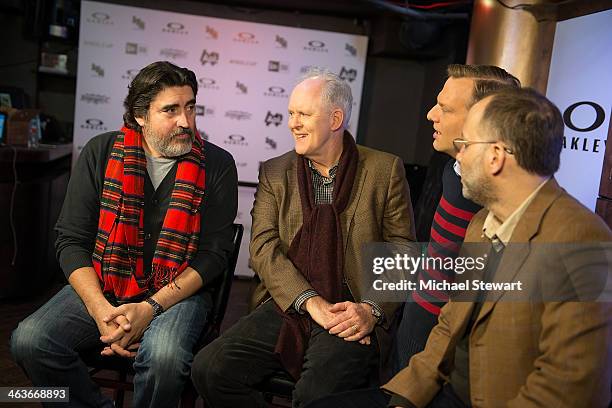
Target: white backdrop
x=245, y=73
x=580, y=84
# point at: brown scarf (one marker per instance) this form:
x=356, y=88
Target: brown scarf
x=317, y=251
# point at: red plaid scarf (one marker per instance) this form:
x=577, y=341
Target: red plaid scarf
x=118, y=252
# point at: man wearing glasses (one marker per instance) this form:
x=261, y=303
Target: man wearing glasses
x=508, y=353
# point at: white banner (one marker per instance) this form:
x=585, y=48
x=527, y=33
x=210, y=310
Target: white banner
x=245, y=71
x=580, y=84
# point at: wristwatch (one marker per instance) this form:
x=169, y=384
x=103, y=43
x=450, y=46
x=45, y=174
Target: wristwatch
x=376, y=313
x=157, y=308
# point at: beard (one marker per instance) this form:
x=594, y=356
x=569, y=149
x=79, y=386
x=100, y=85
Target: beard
x=173, y=145
x=477, y=187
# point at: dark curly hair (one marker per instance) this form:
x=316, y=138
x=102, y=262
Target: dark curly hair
x=149, y=82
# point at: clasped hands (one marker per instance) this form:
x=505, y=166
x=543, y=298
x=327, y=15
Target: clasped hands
x=121, y=327
x=348, y=320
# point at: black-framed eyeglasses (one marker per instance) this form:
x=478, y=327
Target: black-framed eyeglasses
x=460, y=143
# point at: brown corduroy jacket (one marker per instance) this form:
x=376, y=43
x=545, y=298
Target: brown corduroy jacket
x=524, y=354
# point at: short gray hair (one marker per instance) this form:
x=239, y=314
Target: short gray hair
x=336, y=93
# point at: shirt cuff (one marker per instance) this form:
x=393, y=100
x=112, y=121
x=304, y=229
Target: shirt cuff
x=377, y=308
x=303, y=297
x=399, y=401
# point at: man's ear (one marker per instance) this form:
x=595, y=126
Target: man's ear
x=141, y=121
x=496, y=159
x=337, y=117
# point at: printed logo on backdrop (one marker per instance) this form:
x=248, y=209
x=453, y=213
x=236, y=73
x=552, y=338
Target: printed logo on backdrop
x=273, y=119
x=348, y=74
x=211, y=58
x=175, y=28
x=138, y=24
x=97, y=71
x=238, y=115
x=99, y=17
x=236, y=140
x=130, y=74
x=203, y=110
x=315, y=46
x=281, y=42
x=241, y=89
x=135, y=49
x=306, y=68
x=94, y=124
x=211, y=33
x=98, y=44
x=597, y=118
x=350, y=50
x=207, y=83
x=278, y=66
x=270, y=143
x=241, y=164
x=245, y=38
x=243, y=62
x=276, y=92
x=96, y=99
x=173, y=53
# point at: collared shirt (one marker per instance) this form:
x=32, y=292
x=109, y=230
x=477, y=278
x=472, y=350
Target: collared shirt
x=323, y=186
x=498, y=231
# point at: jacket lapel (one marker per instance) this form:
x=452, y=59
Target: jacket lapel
x=293, y=195
x=349, y=213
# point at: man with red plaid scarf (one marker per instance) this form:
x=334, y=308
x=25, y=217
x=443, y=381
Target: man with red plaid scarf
x=145, y=226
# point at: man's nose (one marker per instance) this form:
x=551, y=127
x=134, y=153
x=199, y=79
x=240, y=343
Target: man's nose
x=182, y=120
x=432, y=115
x=293, y=122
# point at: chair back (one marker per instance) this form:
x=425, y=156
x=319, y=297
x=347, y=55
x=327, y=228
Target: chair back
x=220, y=289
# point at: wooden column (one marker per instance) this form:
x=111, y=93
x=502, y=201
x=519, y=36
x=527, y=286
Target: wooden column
x=517, y=40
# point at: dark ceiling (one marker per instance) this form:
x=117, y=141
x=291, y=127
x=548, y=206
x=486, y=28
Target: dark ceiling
x=354, y=8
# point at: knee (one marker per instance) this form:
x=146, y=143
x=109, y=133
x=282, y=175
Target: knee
x=167, y=361
x=208, y=367
x=26, y=341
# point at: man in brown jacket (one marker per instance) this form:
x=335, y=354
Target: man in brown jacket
x=314, y=209
x=504, y=353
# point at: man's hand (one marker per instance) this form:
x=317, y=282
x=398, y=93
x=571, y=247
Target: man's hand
x=116, y=328
x=139, y=316
x=319, y=309
x=352, y=321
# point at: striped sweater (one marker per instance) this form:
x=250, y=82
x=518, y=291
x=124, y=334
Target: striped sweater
x=450, y=222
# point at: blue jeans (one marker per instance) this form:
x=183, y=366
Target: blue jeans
x=47, y=345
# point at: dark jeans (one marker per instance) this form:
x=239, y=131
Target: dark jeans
x=47, y=343
x=411, y=335
x=227, y=371
x=377, y=398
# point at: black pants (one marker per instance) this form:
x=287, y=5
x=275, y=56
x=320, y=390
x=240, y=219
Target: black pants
x=377, y=398
x=227, y=371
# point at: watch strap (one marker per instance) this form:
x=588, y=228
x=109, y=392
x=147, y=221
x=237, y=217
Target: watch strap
x=157, y=308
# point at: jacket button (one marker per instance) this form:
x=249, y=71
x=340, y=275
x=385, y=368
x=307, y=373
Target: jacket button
x=147, y=235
